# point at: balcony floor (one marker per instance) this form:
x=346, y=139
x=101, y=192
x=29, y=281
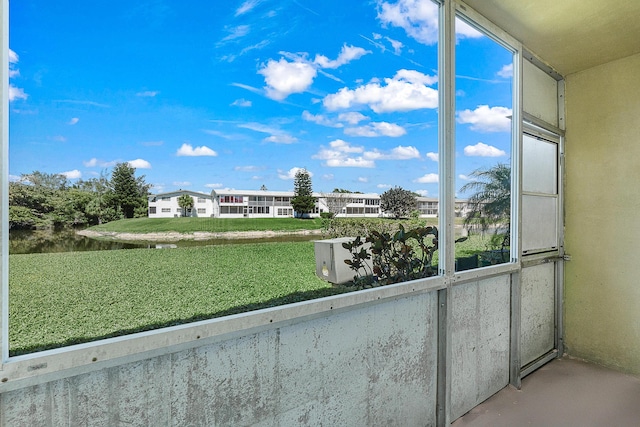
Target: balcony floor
x=565, y=392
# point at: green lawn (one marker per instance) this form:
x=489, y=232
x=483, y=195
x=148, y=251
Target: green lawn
x=213, y=225
x=67, y=298
x=60, y=299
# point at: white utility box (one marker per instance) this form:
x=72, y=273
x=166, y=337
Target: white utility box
x=330, y=256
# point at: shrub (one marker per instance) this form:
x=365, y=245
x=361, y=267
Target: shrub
x=398, y=257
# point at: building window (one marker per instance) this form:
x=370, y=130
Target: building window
x=202, y=210
x=152, y=210
x=201, y=200
x=285, y=212
x=166, y=210
x=224, y=210
x=231, y=199
x=165, y=199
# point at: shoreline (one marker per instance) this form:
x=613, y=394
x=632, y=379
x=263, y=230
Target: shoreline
x=172, y=236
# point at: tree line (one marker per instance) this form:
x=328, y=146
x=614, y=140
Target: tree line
x=42, y=200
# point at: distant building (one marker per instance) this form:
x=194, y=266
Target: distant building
x=165, y=205
x=277, y=204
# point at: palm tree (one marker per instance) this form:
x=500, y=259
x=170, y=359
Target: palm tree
x=490, y=204
x=185, y=202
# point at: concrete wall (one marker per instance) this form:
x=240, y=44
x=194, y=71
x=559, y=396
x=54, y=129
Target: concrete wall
x=373, y=365
x=602, y=288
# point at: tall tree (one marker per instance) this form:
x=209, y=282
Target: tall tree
x=127, y=192
x=398, y=202
x=302, y=201
x=185, y=202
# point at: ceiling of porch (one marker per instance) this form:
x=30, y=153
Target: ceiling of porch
x=569, y=35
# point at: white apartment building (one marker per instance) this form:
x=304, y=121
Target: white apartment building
x=277, y=204
x=165, y=205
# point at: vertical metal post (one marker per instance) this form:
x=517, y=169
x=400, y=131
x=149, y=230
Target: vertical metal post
x=559, y=295
x=515, y=360
x=446, y=150
x=515, y=363
x=444, y=356
x=4, y=182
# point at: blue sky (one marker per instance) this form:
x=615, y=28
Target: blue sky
x=239, y=94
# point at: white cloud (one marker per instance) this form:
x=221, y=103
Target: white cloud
x=487, y=119
x=248, y=168
x=188, y=150
x=237, y=32
x=181, y=184
x=95, y=162
x=345, y=147
x=247, y=7
x=396, y=45
x=433, y=156
x=353, y=117
x=406, y=91
x=73, y=121
x=350, y=162
x=281, y=138
x=346, y=55
x=363, y=179
x=416, y=77
x=506, y=71
x=430, y=178
x=284, y=78
x=342, y=154
x=328, y=176
x=464, y=30
x=74, y=174
x=398, y=153
x=463, y=177
x=423, y=193
x=376, y=129
x=16, y=93
x=139, y=164
x=241, y=103
x=276, y=135
x=13, y=57
x=320, y=119
x=214, y=185
x=483, y=150
x=384, y=186
x=291, y=173
x=148, y=93
x=419, y=19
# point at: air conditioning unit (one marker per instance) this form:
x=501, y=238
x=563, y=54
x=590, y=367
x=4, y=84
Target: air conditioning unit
x=330, y=256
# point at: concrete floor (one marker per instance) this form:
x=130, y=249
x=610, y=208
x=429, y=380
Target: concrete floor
x=565, y=392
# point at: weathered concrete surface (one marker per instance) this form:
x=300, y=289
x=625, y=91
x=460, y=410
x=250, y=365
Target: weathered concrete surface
x=537, y=317
x=373, y=365
x=566, y=392
x=480, y=325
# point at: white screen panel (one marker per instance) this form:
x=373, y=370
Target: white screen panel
x=539, y=223
x=539, y=166
x=540, y=94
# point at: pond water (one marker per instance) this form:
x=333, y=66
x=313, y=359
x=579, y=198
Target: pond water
x=42, y=241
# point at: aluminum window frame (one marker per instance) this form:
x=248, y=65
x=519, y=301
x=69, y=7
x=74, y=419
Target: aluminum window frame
x=40, y=367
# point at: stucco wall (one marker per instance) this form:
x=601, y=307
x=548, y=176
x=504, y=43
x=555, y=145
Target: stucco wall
x=602, y=288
